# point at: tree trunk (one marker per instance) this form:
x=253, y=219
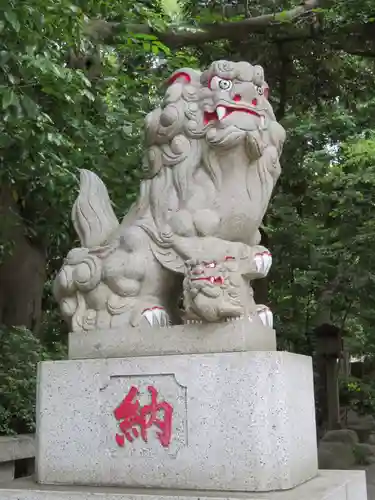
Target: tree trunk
x=22, y=271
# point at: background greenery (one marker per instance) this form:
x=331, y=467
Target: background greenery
x=76, y=80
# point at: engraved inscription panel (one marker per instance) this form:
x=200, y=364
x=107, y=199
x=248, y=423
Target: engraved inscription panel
x=145, y=415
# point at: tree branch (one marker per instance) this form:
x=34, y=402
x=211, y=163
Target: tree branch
x=106, y=31
x=288, y=22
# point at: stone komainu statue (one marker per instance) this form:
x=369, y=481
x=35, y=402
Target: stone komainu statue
x=213, y=150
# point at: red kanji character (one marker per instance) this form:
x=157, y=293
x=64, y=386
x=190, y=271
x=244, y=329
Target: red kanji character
x=133, y=416
x=152, y=410
x=129, y=412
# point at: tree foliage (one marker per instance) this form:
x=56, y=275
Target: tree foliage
x=57, y=119
x=19, y=354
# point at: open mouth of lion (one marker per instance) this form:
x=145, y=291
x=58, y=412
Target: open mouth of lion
x=222, y=112
x=215, y=280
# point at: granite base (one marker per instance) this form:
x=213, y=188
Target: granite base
x=328, y=485
x=242, y=421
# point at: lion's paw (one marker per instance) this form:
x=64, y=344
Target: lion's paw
x=263, y=262
x=156, y=316
x=265, y=315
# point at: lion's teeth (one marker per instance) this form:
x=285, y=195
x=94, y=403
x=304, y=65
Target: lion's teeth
x=221, y=112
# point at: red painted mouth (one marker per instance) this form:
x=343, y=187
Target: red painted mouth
x=215, y=280
x=155, y=308
x=210, y=116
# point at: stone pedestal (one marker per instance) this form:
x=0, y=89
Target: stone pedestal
x=14, y=448
x=328, y=485
x=241, y=421
x=232, y=336
x=6, y=471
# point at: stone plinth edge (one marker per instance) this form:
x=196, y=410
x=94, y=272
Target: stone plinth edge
x=328, y=485
x=14, y=448
x=17, y=447
x=232, y=336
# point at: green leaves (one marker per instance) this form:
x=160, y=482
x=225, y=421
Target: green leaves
x=9, y=98
x=30, y=107
x=282, y=17
x=11, y=17
x=150, y=43
x=323, y=250
x=56, y=119
x=19, y=355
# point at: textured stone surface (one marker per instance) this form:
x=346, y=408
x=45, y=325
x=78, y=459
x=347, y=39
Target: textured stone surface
x=355, y=489
x=328, y=485
x=16, y=447
x=242, y=421
x=240, y=335
x=341, y=436
x=6, y=471
x=335, y=455
x=363, y=425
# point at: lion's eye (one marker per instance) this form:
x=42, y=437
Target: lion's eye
x=225, y=84
x=260, y=90
x=218, y=83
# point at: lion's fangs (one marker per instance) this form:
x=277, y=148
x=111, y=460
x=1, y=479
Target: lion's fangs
x=227, y=320
x=221, y=112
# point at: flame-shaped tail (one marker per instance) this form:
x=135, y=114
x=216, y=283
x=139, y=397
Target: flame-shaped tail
x=92, y=214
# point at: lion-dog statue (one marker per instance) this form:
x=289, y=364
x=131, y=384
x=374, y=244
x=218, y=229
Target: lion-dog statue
x=188, y=249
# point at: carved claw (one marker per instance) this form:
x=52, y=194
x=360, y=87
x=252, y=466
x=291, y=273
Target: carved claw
x=263, y=262
x=265, y=315
x=156, y=316
x=254, y=146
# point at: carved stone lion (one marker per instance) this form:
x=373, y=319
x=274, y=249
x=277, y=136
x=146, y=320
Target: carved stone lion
x=212, y=290
x=213, y=150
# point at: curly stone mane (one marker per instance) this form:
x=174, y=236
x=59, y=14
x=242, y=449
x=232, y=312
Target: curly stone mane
x=185, y=152
x=174, y=148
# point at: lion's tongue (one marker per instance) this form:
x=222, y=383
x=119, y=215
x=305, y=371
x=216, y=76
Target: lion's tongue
x=215, y=280
x=223, y=111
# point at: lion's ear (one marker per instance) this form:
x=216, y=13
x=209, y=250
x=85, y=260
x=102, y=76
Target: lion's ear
x=184, y=76
x=168, y=258
x=179, y=75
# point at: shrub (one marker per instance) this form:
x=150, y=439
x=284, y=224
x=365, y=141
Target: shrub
x=358, y=395
x=20, y=352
